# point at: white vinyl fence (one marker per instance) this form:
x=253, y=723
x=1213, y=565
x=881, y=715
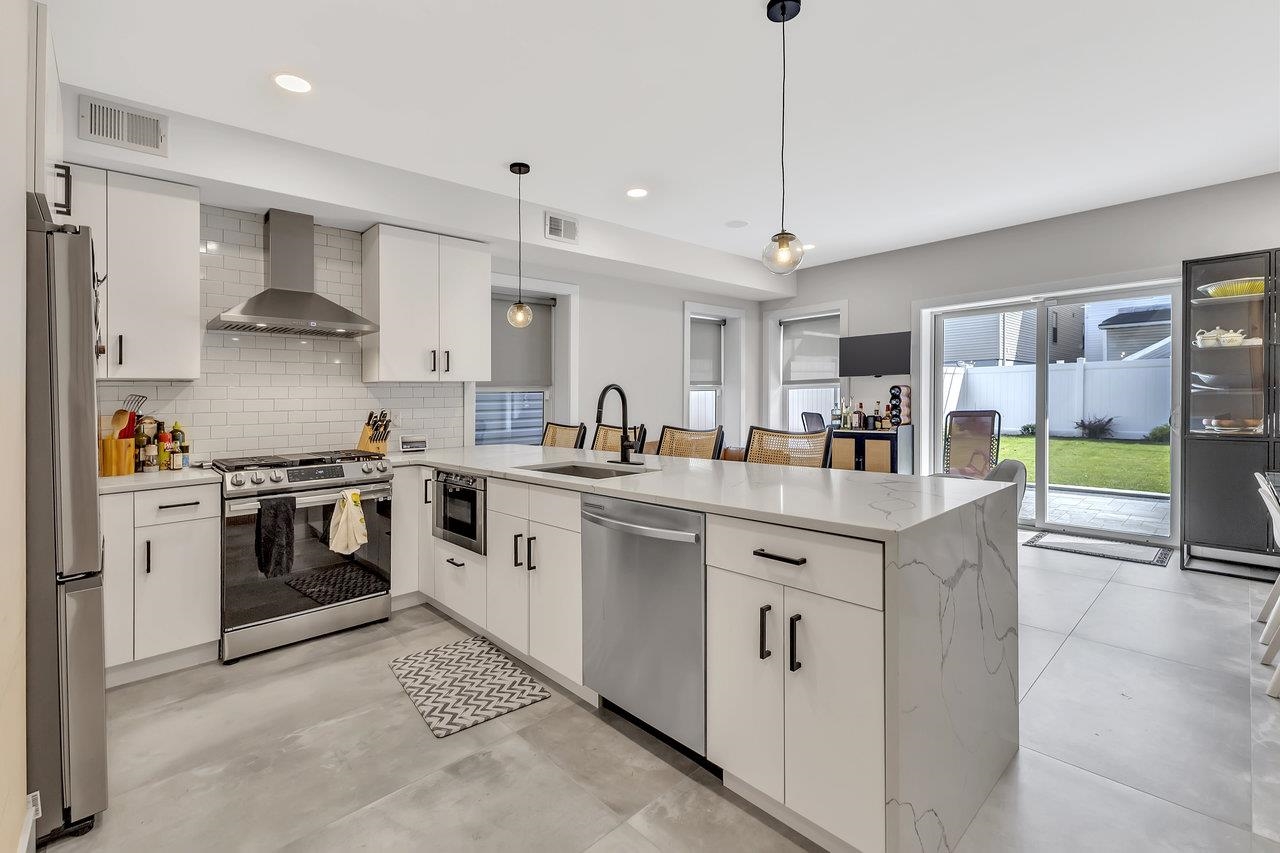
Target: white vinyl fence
x=1135, y=393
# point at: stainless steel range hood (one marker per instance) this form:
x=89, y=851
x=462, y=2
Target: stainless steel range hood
x=290, y=305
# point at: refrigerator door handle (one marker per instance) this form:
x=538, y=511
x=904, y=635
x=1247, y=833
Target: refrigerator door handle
x=85, y=696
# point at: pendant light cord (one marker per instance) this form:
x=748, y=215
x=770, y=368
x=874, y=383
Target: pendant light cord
x=520, y=239
x=782, y=155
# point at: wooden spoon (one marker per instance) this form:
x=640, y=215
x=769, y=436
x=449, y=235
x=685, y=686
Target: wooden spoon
x=119, y=421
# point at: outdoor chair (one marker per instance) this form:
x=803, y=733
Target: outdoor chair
x=971, y=443
x=812, y=421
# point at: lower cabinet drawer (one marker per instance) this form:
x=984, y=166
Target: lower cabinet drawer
x=557, y=507
x=835, y=566
x=162, y=506
x=461, y=581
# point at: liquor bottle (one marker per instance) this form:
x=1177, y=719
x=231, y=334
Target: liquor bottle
x=875, y=416
x=860, y=418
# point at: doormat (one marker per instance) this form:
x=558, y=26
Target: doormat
x=458, y=685
x=1152, y=555
x=338, y=583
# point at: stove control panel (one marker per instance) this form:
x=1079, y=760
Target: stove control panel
x=314, y=473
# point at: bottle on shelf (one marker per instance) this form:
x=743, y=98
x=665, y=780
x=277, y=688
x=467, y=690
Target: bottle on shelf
x=875, y=416
x=860, y=418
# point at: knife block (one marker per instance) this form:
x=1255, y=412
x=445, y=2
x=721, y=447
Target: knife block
x=367, y=444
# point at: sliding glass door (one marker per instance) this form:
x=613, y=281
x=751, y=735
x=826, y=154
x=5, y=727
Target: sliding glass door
x=1084, y=387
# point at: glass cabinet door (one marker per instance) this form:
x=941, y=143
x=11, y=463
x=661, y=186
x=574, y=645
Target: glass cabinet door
x=1228, y=329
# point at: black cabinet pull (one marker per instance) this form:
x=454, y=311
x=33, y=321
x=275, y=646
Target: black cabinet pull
x=178, y=506
x=433, y=361
x=148, y=556
x=790, y=561
x=515, y=561
x=764, y=653
x=795, y=664
x=528, y=551
x=63, y=172
x=446, y=361
x=454, y=562
x=119, y=349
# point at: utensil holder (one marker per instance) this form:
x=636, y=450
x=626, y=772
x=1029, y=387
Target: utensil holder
x=115, y=457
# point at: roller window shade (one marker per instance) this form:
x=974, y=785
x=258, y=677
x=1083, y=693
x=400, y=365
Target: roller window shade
x=706, y=351
x=811, y=350
x=521, y=357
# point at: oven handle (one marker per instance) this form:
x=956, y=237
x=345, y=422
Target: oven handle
x=248, y=507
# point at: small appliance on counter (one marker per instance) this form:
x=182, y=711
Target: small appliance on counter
x=413, y=444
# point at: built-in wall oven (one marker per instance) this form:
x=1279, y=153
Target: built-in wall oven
x=459, y=510
x=281, y=582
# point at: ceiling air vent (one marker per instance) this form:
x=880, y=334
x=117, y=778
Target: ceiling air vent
x=557, y=227
x=124, y=127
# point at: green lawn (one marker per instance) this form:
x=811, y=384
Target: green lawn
x=1137, y=465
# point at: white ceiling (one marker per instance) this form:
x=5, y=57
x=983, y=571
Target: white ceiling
x=909, y=122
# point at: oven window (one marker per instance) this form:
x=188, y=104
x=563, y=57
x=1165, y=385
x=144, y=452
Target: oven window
x=265, y=579
x=460, y=511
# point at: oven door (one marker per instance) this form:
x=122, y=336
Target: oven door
x=459, y=515
x=283, y=569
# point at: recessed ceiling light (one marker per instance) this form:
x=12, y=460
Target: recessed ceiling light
x=808, y=246
x=235, y=339
x=737, y=223
x=292, y=83
x=637, y=192
x=260, y=325
x=340, y=331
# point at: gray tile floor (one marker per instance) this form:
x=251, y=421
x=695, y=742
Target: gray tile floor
x=1102, y=511
x=1145, y=726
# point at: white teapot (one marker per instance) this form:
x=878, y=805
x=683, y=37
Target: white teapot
x=1210, y=338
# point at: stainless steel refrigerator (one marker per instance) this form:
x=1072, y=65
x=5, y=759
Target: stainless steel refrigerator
x=66, y=689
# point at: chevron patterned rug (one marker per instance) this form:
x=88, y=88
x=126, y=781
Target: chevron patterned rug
x=458, y=685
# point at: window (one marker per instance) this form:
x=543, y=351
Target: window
x=810, y=367
x=706, y=371
x=511, y=407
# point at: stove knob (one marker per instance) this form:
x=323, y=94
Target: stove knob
x=366, y=468
x=382, y=466
x=257, y=479
x=237, y=479
x=277, y=476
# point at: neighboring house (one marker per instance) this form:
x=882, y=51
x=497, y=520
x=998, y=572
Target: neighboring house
x=1008, y=338
x=1127, y=328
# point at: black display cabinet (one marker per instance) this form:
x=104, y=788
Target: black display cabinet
x=1230, y=424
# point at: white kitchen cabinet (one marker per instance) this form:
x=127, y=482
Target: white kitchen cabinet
x=466, y=311
x=508, y=582
x=834, y=731
x=406, y=497
x=555, y=598
x=115, y=515
x=426, y=541
x=176, y=586
x=400, y=279
x=152, y=315
x=430, y=296
x=745, y=655
x=461, y=581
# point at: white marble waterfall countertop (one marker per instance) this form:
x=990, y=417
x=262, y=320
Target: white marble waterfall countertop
x=850, y=503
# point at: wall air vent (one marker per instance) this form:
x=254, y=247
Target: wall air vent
x=561, y=228
x=124, y=127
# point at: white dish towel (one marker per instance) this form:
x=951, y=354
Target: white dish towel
x=346, y=529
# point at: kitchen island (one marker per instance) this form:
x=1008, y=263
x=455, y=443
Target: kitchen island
x=892, y=735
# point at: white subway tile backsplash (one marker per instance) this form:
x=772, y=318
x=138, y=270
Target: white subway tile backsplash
x=278, y=394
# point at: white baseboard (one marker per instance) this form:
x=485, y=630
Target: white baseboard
x=27, y=835
x=782, y=814
x=137, y=670
x=408, y=599
x=585, y=694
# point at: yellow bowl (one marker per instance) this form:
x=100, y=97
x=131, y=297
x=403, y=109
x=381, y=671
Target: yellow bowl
x=1234, y=287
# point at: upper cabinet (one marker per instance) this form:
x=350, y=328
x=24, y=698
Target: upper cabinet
x=146, y=257
x=430, y=297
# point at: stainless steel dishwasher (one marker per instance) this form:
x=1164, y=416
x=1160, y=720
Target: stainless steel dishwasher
x=644, y=613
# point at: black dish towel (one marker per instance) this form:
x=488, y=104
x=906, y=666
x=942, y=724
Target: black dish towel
x=273, y=537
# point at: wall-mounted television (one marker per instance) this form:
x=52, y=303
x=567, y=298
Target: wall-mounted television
x=876, y=355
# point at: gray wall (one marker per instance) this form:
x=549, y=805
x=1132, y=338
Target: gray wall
x=1157, y=232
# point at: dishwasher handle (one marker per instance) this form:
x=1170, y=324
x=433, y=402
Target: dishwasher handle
x=641, y=529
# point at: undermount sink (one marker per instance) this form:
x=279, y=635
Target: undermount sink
x=586, y=471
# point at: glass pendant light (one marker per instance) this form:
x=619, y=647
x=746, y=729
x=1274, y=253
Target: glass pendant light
x=784, y=251
x=519, y=315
